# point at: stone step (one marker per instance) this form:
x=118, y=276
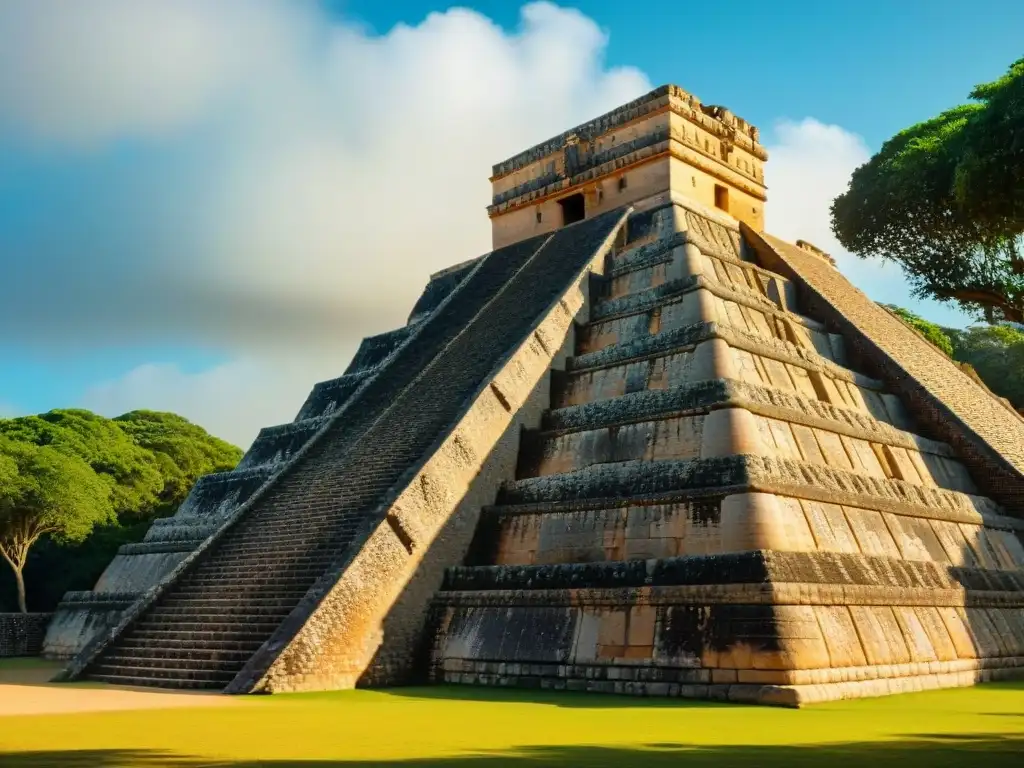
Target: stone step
x=207, y=678
x=299, y=558
x=195, y=657
x=258, y=603
x=190, y=642
x=230, y=605
x=213, y=578
x=220, y=621
x=314, y=531
x=295, y=521
x=306, y=557
x=137, y=681
x=313, y=536
x=240, y=591
x=250, y=573
x=292, y=520
x=207, y=620
x=247, y=632
x=258, y=551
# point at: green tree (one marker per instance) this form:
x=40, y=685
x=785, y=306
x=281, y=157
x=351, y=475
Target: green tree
x=45, y=492
x=945, y=200
x=183, y=451
x=996, y=352
x=934, y=333
x=131, y=472
x=989, y=175
x=147, y=460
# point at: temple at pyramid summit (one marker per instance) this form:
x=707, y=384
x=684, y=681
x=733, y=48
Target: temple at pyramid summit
x=641, y=447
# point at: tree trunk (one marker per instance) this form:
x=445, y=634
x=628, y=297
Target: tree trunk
x=19, y=578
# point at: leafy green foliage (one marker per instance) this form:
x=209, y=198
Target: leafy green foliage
x=989, y=176
x=46, y=492
x=934, y=333
x=945, y=200
x=131, y=472
x=114, y=475
x=183, y=451
x=996, y=352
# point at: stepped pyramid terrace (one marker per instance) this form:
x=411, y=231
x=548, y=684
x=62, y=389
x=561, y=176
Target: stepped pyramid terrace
x=642, y=447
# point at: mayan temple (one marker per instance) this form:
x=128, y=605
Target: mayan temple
x=642, y=447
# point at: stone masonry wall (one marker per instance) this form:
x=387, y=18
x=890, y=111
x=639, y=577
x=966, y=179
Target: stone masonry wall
x=935, y=389
x=729, y=501
x=21, y=634
x=360, y=614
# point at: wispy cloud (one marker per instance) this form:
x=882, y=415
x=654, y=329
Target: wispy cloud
x=251, y=173
x=282, y=193
x=255, y=176
x=809, y=165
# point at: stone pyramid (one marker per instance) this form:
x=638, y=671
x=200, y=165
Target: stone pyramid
x=640, y=447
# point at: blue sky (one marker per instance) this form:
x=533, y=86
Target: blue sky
x=872, y=66
x=194, y=214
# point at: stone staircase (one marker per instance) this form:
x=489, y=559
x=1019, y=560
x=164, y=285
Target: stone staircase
x=248, y=590
x=204, y=631
x=638, y=537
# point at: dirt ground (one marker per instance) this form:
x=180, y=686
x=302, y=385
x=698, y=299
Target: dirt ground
x=25, y=689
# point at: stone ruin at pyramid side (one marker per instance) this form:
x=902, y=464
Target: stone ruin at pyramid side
x=640, y=447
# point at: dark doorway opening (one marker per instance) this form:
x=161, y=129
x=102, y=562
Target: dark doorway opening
x=573, y=209
x=721, y=198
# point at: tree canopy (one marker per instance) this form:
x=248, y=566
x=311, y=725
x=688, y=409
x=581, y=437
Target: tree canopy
x=994, y=352
x=67, y=472
x=130, y=471
x=44, y=491
x=945, y=200
x=183, y=451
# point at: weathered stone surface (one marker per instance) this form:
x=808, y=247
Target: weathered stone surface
x=950, y=401
x=21, y=634
x=653, y=453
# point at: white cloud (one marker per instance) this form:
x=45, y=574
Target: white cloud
x=248, y=173
x=231, y=400
x=94, y=70
x=298, y=179
x=809, y=164
x=254, y=175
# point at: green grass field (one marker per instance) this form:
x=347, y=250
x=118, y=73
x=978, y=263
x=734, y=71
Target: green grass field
x=482, y=728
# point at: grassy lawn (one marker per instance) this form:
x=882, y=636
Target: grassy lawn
x=481, y=728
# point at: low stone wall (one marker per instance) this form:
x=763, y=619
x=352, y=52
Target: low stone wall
x=21, y=634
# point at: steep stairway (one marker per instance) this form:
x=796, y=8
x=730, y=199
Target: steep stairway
x=205, y=625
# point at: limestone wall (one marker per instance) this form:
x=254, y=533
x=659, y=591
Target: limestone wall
x=706, y=424
x=941, y=394
x=664, y=141
x=783, y=644
x=362, y=621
